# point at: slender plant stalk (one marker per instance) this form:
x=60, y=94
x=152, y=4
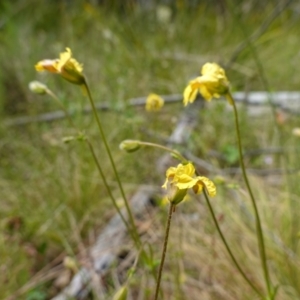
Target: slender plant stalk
x=249, y=41
x=163, y=255
x=106, y=185
x=214, y=219
x=57, y=100
x=131, y=225
x=261, y=72
x=130, y=215
x=174, y=152
x=259, y=231
x=131, y=229
x=227, y=246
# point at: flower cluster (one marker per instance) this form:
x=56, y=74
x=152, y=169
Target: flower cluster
x=212, y=83
x=182, y=178
x=66, y=66
x=154, y=102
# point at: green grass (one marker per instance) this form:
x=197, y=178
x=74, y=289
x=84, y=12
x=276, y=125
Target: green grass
x=50, y=190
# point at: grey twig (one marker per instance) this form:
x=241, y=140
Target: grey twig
x=287, y=101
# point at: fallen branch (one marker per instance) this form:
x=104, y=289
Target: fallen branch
x=287, y=101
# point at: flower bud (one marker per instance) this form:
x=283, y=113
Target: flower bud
x=70, y=264
x=130, y=145
x=177, y=195
x=38, y=87
x=68, y=139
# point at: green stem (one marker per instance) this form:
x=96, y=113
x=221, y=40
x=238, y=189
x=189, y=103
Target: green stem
x=259, y=231
x=57, y=100
x=249, y=40
x=106, y=185
x=280, y=7
x=215, y=221
x=130, y=215
x=163, y=255
x=176, y=153
x=227, y=246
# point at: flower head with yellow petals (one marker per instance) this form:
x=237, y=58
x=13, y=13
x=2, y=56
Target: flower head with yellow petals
x=66, y=66
x=212, y=83
x=154, y=102
x=183, y=178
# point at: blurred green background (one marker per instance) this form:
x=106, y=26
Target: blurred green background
x=49, y=190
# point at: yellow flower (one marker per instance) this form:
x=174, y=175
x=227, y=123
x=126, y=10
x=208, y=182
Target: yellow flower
x=212, y=83
x=154, y=102
x=183, y=178
x=66, y=66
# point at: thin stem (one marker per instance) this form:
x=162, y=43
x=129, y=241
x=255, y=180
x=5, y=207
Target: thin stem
x=227, y=246
x=259, y=231
x=249, y=41
x=130, y=216
x=131, y=226
x=106, y=184
x=163, y=255
x=176, y=153
x=57, y=100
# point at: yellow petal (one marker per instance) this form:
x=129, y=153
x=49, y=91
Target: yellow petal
x=198, y=188
x=189, y=95
x=165, y=185
x=74, y=64
x=171, y=172
x=206, y=94
x=187, y=169
x=182, y=178
x=212, y=83
x=69, y=68
x=213, y=69
x=186, y=182
x=49, y=65
x=154, y=102
x=64, y=58
x=208, y=184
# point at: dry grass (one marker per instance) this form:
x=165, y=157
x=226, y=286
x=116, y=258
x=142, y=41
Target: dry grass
x=52, y=201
